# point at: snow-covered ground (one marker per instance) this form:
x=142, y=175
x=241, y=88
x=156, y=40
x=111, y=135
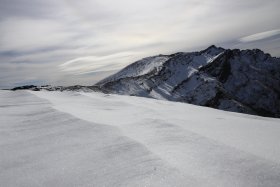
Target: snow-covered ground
x=92, y=139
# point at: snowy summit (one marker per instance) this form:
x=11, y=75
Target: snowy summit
x=246, y=81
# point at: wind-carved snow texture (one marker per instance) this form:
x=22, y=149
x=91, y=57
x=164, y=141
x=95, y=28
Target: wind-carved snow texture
x=93, y=139
x=246, y=81
x=41, y=146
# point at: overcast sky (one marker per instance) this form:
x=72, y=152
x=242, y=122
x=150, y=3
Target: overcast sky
x=66, y=42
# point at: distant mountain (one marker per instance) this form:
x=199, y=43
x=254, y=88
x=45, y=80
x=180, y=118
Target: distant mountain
x=246, y=81
x=59, y=88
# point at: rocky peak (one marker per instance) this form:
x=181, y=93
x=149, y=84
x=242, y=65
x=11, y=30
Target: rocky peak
x=246, y=81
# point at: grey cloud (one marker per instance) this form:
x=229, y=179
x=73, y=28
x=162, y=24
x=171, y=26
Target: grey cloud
x=261, y=36
x=37, y=37
x=29, y=8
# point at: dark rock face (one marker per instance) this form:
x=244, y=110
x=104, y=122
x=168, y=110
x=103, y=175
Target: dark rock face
x=26, y=87
x=246, y=81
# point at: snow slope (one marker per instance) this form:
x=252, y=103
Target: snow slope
x=93, y=139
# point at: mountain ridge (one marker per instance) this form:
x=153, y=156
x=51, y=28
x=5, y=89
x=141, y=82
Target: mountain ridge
x=246, y=81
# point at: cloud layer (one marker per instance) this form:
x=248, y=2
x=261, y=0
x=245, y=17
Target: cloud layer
x=260, y=36
x=79, y=42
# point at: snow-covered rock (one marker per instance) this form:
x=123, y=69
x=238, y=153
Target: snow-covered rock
x=77, y=88
x=246, y=81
